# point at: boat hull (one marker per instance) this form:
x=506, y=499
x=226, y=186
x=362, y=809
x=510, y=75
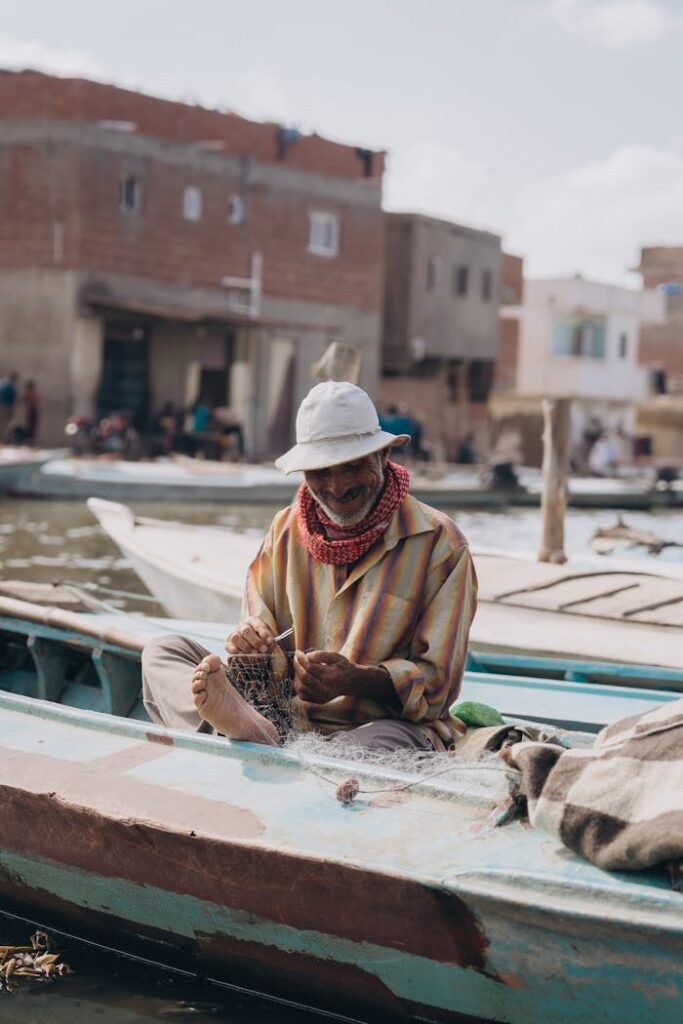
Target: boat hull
x=237, y=861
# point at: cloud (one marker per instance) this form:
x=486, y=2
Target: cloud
x=615, y=24
x=595, y=218
x=438, y=180
x=17, y=54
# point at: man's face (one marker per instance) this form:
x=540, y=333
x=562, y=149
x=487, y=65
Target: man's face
x=347, y=492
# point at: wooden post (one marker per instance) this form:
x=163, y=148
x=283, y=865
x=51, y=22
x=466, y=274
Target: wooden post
x=555, y=472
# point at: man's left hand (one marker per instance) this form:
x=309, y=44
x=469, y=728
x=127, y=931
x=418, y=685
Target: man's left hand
x=320, y=676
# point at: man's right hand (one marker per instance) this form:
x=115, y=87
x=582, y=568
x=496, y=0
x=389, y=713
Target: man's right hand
x=251, y=636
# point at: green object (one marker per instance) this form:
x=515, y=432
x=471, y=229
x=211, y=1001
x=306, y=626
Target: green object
x=472, y=713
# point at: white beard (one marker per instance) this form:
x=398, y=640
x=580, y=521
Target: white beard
x=339, y=519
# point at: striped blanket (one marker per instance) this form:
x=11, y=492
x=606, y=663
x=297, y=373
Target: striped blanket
x=618, y=803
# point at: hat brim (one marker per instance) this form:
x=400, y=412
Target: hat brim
x=333, y=451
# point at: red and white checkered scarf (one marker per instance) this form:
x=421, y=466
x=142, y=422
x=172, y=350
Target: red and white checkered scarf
x=313, y=522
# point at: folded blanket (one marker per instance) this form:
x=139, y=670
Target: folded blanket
x=618, y=803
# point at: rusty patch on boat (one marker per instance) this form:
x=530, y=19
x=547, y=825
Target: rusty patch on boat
x=160, y=737
x=324, y=983
x=301, y=892
x=124, y=798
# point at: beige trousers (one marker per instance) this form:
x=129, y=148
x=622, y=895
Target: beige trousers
x=167, y=666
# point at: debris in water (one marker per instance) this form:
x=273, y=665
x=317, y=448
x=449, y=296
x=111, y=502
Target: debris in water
x=347, y=791
x=34, y=961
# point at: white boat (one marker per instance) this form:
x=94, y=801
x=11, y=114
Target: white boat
x=18, y=465
x=195, y=572
x=173, y=479
x=588, y=612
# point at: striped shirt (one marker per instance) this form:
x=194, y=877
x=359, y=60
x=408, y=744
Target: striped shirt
x=407, y=604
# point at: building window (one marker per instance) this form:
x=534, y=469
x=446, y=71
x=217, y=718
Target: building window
x=192, y=203
x=460, y=279
x=433, y=273
x=237, y=213
x=486, y=285
x=323, y=237
x=579, y=338
x=623, y=345
x=130, y=195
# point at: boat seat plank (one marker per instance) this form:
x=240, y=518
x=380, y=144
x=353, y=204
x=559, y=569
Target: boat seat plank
x=503, y=627
x=669, y=615
x=568, y=593
x=499, y=576
x=663, y=596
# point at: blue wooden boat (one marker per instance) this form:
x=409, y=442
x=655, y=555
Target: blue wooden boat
x=237, y=860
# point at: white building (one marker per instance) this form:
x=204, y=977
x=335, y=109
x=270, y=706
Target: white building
x=579, y=339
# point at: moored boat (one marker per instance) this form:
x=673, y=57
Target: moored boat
x=237, y=860
x=527, y=610
x=20, y=465
x=181, y=478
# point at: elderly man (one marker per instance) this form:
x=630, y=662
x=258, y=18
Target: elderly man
x=379, y=589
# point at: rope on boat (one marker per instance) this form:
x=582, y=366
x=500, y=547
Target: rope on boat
x=75, y=585
x=350, y=788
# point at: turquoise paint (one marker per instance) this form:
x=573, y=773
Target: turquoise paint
x=588, y=671
x=605, y=980
x=56, y=739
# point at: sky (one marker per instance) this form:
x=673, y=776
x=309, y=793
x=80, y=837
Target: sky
x=554, y=123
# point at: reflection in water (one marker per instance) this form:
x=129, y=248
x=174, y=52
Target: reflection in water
x=53, y=541
x=111, y=989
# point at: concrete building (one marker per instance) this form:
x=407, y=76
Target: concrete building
x=441, y=331
x=154, y=251
x=577, y=339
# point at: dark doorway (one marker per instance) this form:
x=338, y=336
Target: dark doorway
x=213, y=386
x=124, y=384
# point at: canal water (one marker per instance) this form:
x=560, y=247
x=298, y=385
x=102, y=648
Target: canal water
x=45, y=541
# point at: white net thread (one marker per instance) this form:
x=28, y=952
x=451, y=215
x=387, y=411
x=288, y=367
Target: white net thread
x=266, y=681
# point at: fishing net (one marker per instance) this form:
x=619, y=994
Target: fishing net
x=266, y=681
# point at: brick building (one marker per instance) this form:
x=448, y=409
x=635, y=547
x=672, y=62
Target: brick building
x=505, y=377
x=661, y=351
x=441, y=326
x=152, y=250
x=661, y=345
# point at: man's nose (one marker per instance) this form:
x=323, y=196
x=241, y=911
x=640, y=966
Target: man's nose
x=338, y=484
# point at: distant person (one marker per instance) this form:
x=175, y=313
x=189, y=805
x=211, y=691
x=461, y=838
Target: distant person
x=604, y=456
x=466, y=454
x=30, y=411
x=166, y=428
x=504, y=459
x=230, y=426
x=201, y=416
x=8, y=400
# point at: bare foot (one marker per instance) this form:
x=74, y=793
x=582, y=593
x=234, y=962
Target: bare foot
x=219, y=704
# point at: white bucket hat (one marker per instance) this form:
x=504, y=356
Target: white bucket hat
x=336, y=423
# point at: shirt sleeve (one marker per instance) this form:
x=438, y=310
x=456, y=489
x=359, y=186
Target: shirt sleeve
x=430, y=679
x=259, y=591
